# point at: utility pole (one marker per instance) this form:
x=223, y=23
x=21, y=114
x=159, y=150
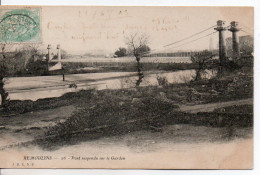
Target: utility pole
x=235, y=45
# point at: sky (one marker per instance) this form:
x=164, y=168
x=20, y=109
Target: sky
x=81, y=30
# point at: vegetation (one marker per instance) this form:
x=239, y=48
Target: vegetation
x=116, y=112
x=64, y=55
x=137, y=44
x=15, y=63
x=202, y=59
x=3, y=73
x=231, y=87
x=121, y=52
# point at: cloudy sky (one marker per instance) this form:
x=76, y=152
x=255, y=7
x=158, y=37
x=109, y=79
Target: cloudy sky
x=84, y=29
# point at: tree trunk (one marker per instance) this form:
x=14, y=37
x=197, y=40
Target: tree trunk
x=198, y=76
x=3, y=94
x=198, y=71
x=139, y=70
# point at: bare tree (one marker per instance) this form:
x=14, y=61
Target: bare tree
x=30, y=51
x=138, y=45
x=202, y=59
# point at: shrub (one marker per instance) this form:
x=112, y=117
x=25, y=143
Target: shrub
x=162, y=81
x=109, y=114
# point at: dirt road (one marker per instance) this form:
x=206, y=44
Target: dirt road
x=212, y=106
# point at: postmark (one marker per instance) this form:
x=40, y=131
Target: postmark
x=20, y=25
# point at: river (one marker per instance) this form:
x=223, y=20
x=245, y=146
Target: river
x=38, y=87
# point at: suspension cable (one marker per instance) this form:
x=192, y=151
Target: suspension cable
x=246, y=32
x=194, y=40
x=189, y=36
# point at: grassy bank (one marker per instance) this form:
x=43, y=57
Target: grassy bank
x=95, y=67
x=233, y=86
x=110, y=113
x=117, y=112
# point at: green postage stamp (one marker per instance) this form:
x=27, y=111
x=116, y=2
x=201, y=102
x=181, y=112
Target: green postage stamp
x=20, y=25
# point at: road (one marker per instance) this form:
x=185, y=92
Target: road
x=212, y=106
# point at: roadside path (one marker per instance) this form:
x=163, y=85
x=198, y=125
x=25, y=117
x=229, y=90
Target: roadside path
x=26, y=127
x=212, y=106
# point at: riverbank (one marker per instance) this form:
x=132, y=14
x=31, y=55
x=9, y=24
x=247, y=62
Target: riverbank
x=104, y=67
x=235, y=87
x=95, y=114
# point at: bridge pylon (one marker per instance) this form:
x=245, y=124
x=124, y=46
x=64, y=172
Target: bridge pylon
x=222, y=47
x=235, y=43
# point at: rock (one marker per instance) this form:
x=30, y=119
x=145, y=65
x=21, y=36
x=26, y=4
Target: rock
x=121, y=103
x=136, y=100
x=73, y=85
x=163, y=95
x=62, y=120
x=155, y=129
x=213, y=92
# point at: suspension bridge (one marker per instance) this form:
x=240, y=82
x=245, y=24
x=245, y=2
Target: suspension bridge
x=54, y=86
x=220, y=28
x=169, y=50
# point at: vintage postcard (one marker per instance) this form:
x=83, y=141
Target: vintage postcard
x=126, y=87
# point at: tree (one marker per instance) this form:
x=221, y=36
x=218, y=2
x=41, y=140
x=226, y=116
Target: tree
x=64, y=55
x=138, y=46
x=121, y=52
x=15, y=63
x=144, y=49
x=202, y=59
x=246, y=44
x=3, y=72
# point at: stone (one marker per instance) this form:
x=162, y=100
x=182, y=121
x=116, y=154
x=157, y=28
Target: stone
x=136, y=100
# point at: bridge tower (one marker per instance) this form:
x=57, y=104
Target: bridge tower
x=222, y=48
x=49, y=55
x=235, y=45
x=59, y=54
x=210, y=44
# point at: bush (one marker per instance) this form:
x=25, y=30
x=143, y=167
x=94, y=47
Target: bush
x=121, y=52
x=72, y=98
x=162, y=81
x=111, y=114
x=38, y=67
x=17, y=106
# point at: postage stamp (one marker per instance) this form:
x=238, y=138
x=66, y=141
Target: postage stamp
x=20, y=25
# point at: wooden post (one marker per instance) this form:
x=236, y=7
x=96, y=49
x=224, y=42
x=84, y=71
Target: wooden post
x=63, y=74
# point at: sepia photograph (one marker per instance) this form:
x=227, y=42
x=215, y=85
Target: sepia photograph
x=126, y=87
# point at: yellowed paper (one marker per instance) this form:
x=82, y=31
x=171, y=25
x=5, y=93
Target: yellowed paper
x=126, y=87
